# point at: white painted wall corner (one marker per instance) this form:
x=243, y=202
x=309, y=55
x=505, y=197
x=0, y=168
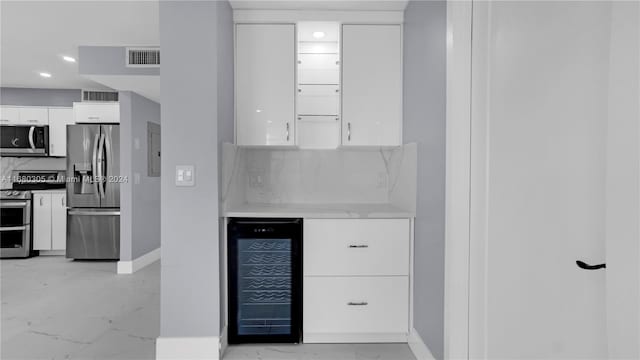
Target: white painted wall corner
x=188, y=348
x=419, y=348
x=129, y=267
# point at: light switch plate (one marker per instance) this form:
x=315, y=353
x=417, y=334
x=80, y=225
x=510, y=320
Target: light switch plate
x=185, y=175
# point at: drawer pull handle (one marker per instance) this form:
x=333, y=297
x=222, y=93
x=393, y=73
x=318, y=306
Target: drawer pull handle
x=362, y=303
x=358, y=246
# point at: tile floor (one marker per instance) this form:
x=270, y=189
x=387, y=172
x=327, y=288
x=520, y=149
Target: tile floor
x=54, y=308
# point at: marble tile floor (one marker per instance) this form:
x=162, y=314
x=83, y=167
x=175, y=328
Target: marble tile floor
x=54, y=308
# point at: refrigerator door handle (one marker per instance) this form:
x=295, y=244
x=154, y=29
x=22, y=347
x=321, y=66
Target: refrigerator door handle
x=94, y=165
x=107, y=162
x=101, y=164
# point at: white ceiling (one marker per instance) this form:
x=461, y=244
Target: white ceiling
x=35, y=34
x=362, y=5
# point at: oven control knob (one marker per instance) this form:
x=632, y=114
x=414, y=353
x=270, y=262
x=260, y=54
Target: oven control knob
x=15, y=193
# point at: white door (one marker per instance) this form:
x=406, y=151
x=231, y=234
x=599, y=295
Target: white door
x=58, y=221
x=539, y=138
x=59, y=118
x=371, y=85
x=265, y=84
x=41, y=221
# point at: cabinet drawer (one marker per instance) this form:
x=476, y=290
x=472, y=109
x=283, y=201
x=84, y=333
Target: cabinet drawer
x=348, y=247
x=96, y=112
x=344, y=305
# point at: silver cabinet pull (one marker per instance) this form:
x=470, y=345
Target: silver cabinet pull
x=287, y=131
x=32, y=121
x=358, y=246
x=361, y=303
x=348, y=131
x=93, y=117
x=41, y=201
x=62, y=201
x=4, y=120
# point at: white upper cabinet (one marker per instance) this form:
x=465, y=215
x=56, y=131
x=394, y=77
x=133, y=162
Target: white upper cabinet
x=96, y=112
x=33, y=116
x=371, y=85
x=9, y=115
x=265, y=84
x=59, y=118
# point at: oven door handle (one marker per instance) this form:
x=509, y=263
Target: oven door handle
x=13, y=228
x=31, y=140
x=13, y=203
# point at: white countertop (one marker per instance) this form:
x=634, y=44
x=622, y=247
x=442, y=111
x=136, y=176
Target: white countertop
x=319, y=211
x=49, y=191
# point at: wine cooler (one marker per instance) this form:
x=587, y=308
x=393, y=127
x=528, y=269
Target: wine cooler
x=265, y=280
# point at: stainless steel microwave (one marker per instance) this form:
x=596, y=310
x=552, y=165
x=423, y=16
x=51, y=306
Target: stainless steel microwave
x=24, y=140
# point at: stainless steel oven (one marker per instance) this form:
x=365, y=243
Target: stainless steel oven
x=15, y=223
x=24, y=140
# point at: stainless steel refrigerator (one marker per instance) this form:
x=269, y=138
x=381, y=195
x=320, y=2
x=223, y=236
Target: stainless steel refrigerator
x=93, y=191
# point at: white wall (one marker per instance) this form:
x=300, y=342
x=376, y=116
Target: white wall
x=424, y=123
x=139, y=201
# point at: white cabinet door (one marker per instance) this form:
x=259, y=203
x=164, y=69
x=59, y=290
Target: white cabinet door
x=265, y=84
x=41, y=221
x=58, y=221
x=371, y=85
x=59, y=118
x=9, y=115
x=34, y=116
x=356, y=247
x=92, y=112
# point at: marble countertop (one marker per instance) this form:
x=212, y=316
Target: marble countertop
x=319, y=211
x=49, y=191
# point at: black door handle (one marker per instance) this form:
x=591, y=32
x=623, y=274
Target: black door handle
x=584, y=265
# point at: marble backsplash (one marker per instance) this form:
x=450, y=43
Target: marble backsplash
x=342, y=176
x=9, y=164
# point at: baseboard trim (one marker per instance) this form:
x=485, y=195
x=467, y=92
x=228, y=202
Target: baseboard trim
x=52, y=252
x=129, y=267
x=419, y=348
x=188, y=348
x=362, y=338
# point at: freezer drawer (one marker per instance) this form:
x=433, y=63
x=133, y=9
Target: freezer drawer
x=93, y=234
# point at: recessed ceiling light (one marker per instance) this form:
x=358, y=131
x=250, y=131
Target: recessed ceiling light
x=318, y=34
x=68, y=58
x=45, y=74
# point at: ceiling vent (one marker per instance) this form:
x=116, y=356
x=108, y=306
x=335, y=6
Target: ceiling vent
x=143, y=57
x=88, y=95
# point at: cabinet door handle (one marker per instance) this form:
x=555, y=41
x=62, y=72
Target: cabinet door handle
x=62, y=201
x=287, y=131
x=358, y=246
x=41, y=201
x=361, y=303
x=93, y=117
x=4, y=120
x=348, y=131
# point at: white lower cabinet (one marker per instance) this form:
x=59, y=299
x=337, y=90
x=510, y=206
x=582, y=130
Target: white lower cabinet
x=356, y=280
x=49, y=220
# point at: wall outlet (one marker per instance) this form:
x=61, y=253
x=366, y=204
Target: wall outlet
x=185, y=175
x=256, y=179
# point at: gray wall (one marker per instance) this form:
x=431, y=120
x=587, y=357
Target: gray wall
x=108, y=60
x=190, y=283
x=424, y=123
x=39, y=97
x=225, y=112
x=140, y=202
